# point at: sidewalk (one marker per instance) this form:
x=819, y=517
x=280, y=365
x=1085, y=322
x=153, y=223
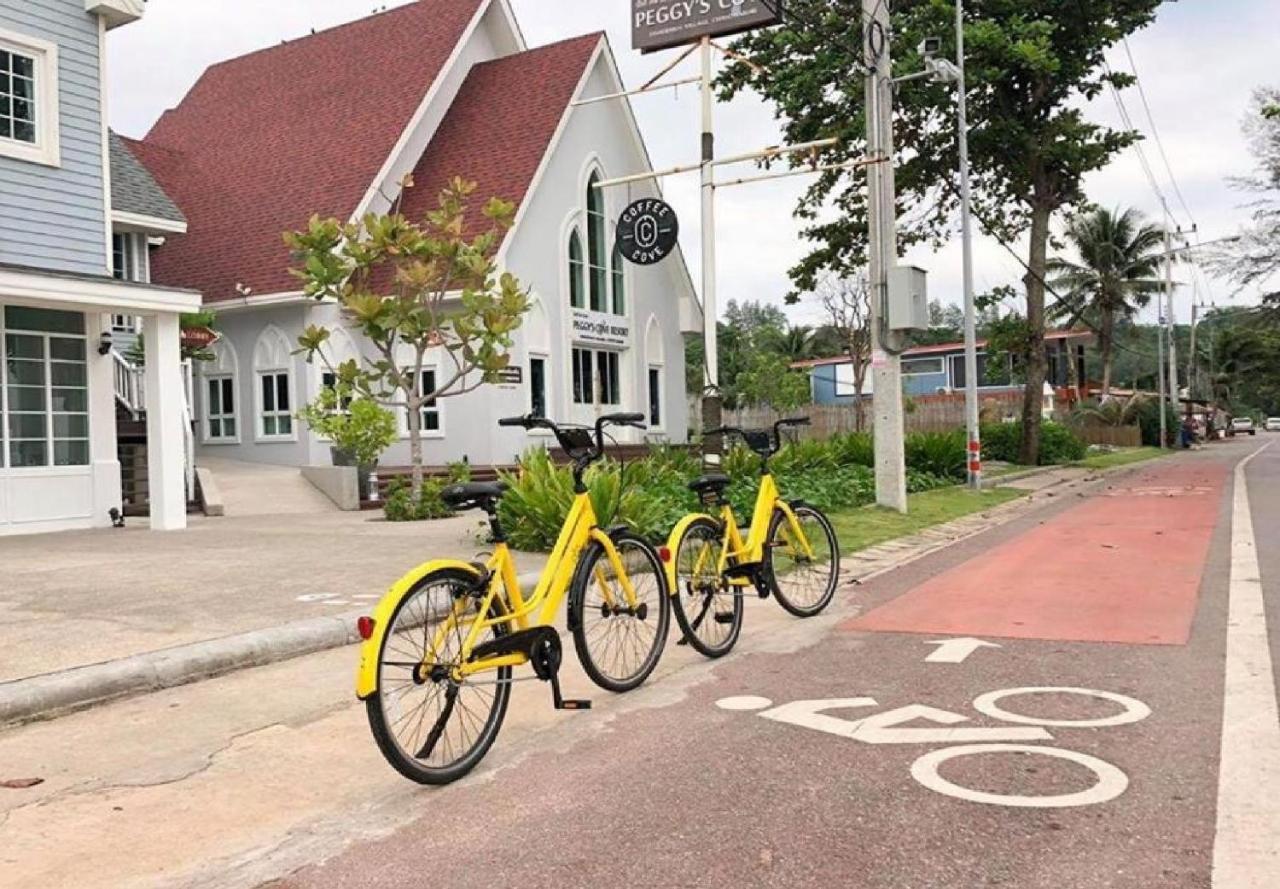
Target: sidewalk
x=68, y=600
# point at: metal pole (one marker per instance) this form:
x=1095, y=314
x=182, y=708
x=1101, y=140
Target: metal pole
x=966, y=228
x=1191, y=349
x=711, y=401
x=1174, y=393
x=1160, y=369
x=882, y=255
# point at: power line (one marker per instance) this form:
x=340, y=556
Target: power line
x=1155, y=133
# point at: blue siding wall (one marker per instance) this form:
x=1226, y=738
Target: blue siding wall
x=55, y=218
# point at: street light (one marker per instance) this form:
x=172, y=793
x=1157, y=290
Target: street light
x=944, y=71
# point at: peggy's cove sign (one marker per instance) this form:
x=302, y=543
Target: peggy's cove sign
x=660, y=24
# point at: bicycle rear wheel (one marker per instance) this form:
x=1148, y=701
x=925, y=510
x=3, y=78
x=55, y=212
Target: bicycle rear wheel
x=432, y=729
x=619, y=645
x=707, y=607
x=803, y=578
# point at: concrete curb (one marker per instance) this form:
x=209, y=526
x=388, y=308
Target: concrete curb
x=56, y=694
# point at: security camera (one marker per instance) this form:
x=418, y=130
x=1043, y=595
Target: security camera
x=930, y=47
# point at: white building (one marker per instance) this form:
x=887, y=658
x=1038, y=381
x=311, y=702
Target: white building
x=329, y=125
x=74, y=208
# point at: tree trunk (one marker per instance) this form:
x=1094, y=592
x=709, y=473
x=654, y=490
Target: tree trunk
x=1106, y=338
x=415, y=445
x=1033, y=394
x=859, y=408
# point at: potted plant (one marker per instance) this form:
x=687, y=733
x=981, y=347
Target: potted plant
x=359, y=429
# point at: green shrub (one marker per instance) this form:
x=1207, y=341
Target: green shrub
x=854, y=449
x=646, y=495
x=402, y=506
x=1148, y=414
x=459, y=472
x=1058, y=444
x=942, y=454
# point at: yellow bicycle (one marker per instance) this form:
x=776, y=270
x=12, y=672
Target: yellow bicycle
x=436, y=662
x=790, y=551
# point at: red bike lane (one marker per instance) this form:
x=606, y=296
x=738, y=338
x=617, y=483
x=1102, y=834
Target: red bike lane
x=1078, y=749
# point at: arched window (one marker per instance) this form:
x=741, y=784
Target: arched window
x=272, y=366
x=221, y=396
x=597, y=251
x=576, y=289
x=619, y=282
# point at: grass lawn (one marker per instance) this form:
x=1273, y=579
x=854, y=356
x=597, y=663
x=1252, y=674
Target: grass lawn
x=861, y=528
x=1121, y=458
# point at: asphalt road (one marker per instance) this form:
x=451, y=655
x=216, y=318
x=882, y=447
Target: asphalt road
x=1083, y=751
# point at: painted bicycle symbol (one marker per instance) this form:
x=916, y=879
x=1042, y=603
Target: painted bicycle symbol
x=890, y=727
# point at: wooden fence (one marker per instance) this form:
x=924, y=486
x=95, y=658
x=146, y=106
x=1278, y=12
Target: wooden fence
x=925, y=413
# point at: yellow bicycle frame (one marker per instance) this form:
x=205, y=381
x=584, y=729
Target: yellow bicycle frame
x=579, y=530
x=735, y=549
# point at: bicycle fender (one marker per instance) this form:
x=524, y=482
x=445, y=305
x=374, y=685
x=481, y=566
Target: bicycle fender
x=367, y=674
x=673, y=543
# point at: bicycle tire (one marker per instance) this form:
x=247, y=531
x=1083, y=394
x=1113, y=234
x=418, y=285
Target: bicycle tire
x=580, y=605
x=771, y=573
x=402, y=759
x=701, y=601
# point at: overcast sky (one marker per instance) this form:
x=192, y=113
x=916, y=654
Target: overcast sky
x=1198, y=64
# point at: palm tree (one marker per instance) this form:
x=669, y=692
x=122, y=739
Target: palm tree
x=796, y=343
x=1116, y=275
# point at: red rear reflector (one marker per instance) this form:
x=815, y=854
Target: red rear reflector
x=664, y=553
x=364, y=626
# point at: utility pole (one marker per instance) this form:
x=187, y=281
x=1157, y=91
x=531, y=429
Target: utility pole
x=1167, y=329
x=971, y=415
x=882, y=255
x=1174, y=392
x=712, y=401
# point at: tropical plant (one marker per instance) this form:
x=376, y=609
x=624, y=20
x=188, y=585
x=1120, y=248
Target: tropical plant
x=1003, y=442
x=769, y=380
x=359, y=428
x=1114, y=274
x=1032, y=65
x=404, y=504
x=941, y=454
x=1115, y=412
x=410, y=287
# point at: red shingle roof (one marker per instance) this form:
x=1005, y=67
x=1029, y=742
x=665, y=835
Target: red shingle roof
x=500, y=127
x=263, y=141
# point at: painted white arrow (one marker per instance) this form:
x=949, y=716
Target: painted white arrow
x=955, y=651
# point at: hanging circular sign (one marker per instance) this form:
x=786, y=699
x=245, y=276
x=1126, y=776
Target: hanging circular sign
x=647, y=231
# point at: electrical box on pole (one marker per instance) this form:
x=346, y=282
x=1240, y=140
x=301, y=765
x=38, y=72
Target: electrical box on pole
x=908, y=298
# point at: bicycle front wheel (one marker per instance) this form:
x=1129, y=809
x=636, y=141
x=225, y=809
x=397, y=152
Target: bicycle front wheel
x=619, y=643
x=430, y=727
x=802, y=571
x=708, y=608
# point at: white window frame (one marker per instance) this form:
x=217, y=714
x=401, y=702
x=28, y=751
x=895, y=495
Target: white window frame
x=661, y=372
x=47, y=149
x=942, y=366
x=209, y=416
x=50, y=436
x=438, y=409
x=546, y=386
x=263, y=413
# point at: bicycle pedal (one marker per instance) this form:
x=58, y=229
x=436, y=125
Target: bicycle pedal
x=724, y=618
x=573, y=705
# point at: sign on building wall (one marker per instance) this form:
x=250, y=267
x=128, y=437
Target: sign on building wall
x=600, y=328
x=648, y=231
x=660, y=24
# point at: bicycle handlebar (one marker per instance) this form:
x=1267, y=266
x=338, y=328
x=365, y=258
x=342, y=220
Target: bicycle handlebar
x=586, y=452
x=775, y=442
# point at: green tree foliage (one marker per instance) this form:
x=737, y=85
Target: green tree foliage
x=767, y=380
x=1115, y=272
x=410, y=287
x=1031, y=66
